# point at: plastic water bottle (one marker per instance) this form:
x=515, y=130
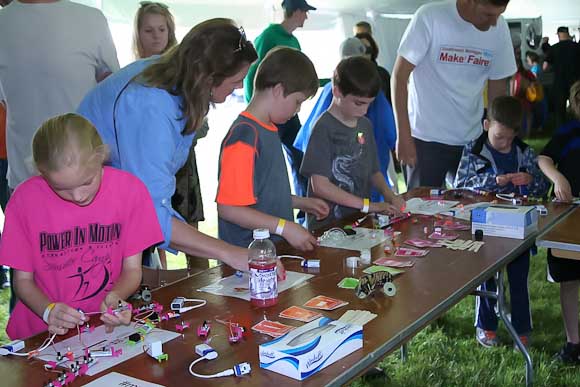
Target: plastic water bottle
x=263, y=271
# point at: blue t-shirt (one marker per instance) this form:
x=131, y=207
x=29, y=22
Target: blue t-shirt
x=505, y=162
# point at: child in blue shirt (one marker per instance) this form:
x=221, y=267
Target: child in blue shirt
x=499, y=161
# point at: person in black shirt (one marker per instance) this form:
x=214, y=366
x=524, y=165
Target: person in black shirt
x=559, y=161
x=564, y=59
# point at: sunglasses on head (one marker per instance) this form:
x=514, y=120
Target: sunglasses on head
x=243, y=40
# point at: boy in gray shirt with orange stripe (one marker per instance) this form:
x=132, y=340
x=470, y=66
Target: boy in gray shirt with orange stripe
x=254, y=190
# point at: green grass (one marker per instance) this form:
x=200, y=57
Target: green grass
x=446, y=353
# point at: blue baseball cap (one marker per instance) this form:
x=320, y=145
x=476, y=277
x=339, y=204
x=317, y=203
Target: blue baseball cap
x=292, y=5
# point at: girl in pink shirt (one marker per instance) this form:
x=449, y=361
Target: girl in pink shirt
x=74, y=234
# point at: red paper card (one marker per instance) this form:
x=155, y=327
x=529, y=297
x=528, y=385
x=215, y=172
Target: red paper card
x=325, y=303
x=272, y=328
x=300, y=314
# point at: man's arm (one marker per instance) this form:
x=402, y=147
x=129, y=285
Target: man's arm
x=405, y=148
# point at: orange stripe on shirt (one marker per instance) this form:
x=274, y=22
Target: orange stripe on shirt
x=250, y=116
x=236, y=181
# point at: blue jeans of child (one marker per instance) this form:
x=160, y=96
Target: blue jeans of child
x=486, y=318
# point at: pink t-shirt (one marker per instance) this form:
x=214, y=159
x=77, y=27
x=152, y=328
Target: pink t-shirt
x=76, y=253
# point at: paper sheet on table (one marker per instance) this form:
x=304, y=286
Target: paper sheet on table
x=116, y=379
x=237, y=286
x=99, y=338
x=365, y=238
x=429, y=207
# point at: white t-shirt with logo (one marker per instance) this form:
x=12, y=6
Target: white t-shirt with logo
x=453, y=60
x=50, y=56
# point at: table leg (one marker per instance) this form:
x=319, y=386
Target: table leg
x=499, y=295
x=404, y=353
x=510, y=328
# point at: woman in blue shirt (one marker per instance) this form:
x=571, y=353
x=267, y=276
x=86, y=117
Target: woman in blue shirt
x=148, y=113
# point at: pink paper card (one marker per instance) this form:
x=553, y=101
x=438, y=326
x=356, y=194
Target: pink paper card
x=443, y=236
x=422, y=243
x=394, y=262
x=406, y=252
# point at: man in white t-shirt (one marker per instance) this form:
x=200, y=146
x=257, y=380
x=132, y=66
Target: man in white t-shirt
x=51, y=54
x=447, y=54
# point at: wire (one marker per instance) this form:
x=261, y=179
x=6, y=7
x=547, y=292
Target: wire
x=506, y=197
x=291, y=257
x=47, y=343
x=210, y=356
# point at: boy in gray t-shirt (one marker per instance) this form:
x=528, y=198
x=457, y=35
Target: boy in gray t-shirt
x=341, y=159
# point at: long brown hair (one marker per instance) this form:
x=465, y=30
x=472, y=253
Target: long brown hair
x=210, y=52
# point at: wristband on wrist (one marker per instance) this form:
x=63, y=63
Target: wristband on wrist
x=280, y=226
x=47, y=311
x=366, y=205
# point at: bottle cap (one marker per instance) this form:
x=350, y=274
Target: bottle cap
x=352, y=262
x=261, y=233
x=365, y=256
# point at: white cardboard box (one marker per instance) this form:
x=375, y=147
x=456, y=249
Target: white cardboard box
x=308, y=349
x=505, y=220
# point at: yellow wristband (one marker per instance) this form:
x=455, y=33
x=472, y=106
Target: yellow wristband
x=366, y=205
x=280, y=226
x=47, y=311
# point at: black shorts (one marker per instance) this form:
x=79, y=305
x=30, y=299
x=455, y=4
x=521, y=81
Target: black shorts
x=563, y=269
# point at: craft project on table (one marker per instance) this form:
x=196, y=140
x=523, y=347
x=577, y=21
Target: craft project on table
x=117, y=379
x=364, y=239
x=429, y=207
x=238, y=285
x=98, y=339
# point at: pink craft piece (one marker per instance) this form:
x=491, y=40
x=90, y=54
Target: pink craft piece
x=443, y=236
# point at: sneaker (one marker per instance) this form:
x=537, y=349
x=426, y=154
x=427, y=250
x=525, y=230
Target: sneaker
x=525, y=339
x=486, y=338
x=4, y=278
x=569, y=354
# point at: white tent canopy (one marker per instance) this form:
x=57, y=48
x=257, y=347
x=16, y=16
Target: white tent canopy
x=328, y=25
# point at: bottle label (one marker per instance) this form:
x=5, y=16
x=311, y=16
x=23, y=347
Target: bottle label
x=263, y=283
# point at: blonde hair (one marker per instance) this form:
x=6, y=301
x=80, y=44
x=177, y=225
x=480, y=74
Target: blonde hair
x=210, y=52
x=148, y=7
x=67, y=140
x=575, y=98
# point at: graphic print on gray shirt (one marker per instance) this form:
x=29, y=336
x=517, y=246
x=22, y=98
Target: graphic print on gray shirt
x=347, y=156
